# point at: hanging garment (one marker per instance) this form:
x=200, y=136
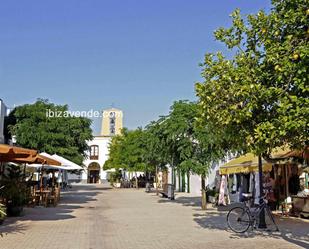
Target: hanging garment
x=230, y=183
x=238, y=176
x=221, y=200
x=257, y=188
x=234, y=183
x=251, y=183
x=245, y=183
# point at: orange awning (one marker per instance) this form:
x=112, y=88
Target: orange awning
x=46, y=160
x=38, y=159
x=16, y=154
x=7, y=150
x=22, y=155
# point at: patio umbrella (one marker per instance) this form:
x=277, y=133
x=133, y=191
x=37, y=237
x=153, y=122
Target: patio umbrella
x=69, y=165
x=46, y=161
x=16, y=154
x=14, y=150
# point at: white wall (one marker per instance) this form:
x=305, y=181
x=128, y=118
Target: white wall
x=3, y=110
x=195, y=180
x=103, y=143
x=195, y=184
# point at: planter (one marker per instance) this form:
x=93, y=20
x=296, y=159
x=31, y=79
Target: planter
x=13, y=210
x=117, y=185
x=211, y=199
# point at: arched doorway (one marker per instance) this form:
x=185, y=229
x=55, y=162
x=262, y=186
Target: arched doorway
x=93, y=173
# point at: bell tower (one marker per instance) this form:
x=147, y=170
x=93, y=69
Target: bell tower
x=111, y=122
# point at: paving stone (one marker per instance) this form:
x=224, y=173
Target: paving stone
x=98, y=217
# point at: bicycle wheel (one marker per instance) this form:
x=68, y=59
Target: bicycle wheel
x=238, y=219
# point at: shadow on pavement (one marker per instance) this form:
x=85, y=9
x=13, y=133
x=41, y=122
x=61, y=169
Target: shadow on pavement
x=12, y=228
x=185, y=201
x=295, y=231
x=70, y=200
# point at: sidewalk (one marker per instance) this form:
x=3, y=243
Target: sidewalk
x=293, y=230
x=96, y=217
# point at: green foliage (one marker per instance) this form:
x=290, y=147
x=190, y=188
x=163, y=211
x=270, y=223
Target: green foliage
x=65, y=135
x=258, y=99
x=174, y=139
x=186, y=145
x=115, y=176
x=14, y=191
x=127, y=151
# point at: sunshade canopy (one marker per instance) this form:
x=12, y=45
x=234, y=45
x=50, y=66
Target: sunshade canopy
x=22, y=155
x=249, y=162
x=244, y=164
x=62, y=163
x=67, y=163
x=13, y=150
x=17, y=154
x=48, y=160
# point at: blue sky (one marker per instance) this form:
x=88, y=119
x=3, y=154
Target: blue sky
x=140, y=55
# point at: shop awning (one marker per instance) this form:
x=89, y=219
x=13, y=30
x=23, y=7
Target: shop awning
x=299, y=153
x=249, y=162
x=244, y=164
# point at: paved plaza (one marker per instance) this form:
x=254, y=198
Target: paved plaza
x=96, y=216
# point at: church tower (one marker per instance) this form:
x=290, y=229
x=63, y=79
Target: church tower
x=111, y=122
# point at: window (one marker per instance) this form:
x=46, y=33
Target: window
x=94, y=152
x=112, y=119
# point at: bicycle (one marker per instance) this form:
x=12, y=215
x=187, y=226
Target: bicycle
x=240, y=218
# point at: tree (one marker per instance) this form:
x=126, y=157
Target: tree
x=127, y=151
x=258, y=99
x=183, y=144
x=176, y=136
x=116, y=158
x=66, y=135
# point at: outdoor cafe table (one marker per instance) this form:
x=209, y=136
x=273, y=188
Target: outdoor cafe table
x=43, y=196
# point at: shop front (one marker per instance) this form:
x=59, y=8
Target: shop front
x=286, y=183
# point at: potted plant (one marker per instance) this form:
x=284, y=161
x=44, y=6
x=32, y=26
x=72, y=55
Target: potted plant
x=115, y=178
x=15, y=191
x=15, y=201
x=212, y=195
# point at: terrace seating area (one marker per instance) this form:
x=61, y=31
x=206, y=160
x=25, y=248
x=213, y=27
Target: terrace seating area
x=29, y=178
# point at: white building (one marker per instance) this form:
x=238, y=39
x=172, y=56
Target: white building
x=97, y=156
x=3, y=113
x=112, y=123
x=194, y=183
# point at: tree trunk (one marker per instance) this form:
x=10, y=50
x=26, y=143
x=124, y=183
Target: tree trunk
x=179, y=181
x=204, y=201
x=157, y=191
x=136, y=181
x=188, y=181
x=262, y=223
